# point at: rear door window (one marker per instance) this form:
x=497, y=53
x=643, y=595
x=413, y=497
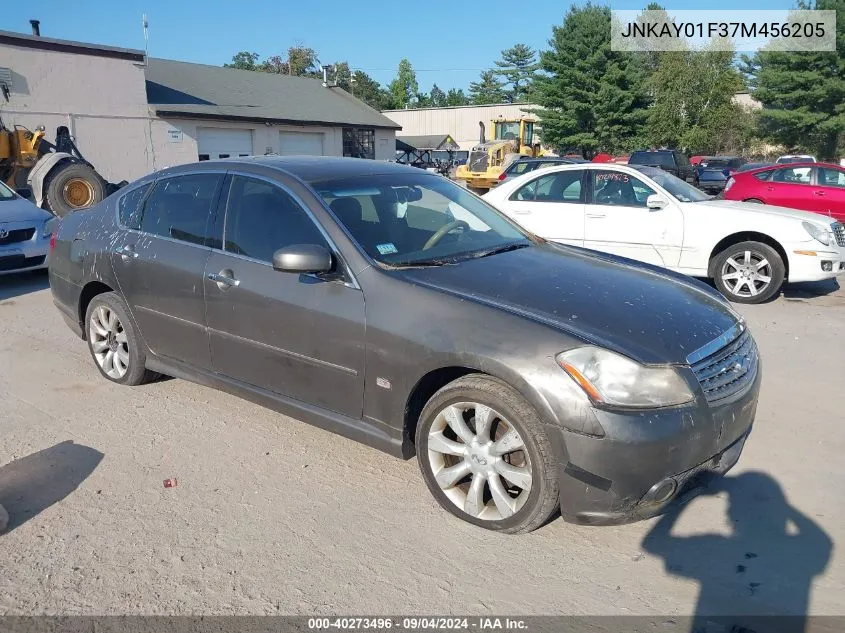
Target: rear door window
x=180, y=207
x=129, y=206
x=563, y=186
x=793, y=175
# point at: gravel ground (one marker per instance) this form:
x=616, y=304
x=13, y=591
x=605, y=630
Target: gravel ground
x=270, y=515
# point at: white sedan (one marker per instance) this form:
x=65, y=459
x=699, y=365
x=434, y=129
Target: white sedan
x=647, y=214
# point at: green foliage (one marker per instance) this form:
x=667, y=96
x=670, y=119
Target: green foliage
x=590, y=98
x=456, y=97
x=517, y=68
x=488, y=89
x=244, y=61
x=803, y=94
x=437, y=98
x=370, y=91
x=404, y=88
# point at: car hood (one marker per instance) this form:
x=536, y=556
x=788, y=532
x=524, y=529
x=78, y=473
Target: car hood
x=20, y=210
x=784, y=212
x=645, y=312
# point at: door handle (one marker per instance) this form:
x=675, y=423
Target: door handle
x=224, y=279
x=127, y=252
x=596, y=215
x=770, y=188
x=521, y=212
x=819, y=193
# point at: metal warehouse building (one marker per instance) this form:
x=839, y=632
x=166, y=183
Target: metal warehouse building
x=131, y=115
x=460, y=122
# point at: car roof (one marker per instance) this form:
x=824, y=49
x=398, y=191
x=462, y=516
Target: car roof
x=305, y=168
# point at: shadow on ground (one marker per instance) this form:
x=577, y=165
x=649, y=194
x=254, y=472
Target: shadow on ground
x=33, y=483
x=17, y=284
x=765, y=567
x=812, y=289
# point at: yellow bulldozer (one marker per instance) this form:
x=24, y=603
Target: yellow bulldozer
x=511, y=139
x=56, y=177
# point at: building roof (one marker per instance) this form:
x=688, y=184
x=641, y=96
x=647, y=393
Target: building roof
x=69, y=46
x=214, y=92
x=430, y=141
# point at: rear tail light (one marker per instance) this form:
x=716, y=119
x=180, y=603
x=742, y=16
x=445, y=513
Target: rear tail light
x=730, y=183
x=52, y=241
x=502, y=176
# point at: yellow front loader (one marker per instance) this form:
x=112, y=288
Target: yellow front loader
x=511, y=139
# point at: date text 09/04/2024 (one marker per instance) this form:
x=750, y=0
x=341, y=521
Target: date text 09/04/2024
x=418, y=623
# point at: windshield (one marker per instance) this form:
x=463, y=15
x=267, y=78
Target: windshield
x=680, y=189
x=507, y=131
x=6, y=193
x=410, y=219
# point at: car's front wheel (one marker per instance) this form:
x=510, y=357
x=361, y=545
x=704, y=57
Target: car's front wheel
x=113, y=341
x=749, y=272
x=485, y=457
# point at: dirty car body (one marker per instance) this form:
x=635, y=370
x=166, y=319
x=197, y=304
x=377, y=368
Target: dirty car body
x=429, y=285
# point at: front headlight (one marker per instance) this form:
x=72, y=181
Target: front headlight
x=825, y=236
x=611, y=379
x=49, y=225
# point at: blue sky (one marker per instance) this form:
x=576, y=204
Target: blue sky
x=448, y=42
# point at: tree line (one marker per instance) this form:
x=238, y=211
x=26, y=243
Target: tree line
x=593, y=99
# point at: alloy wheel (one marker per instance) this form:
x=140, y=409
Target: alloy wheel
x=109, y=342
x=747, y=273
x=480, y=461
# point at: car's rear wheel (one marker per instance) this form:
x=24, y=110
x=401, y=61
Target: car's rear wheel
x=749, y=272
x=114, y=343
x=485, y=457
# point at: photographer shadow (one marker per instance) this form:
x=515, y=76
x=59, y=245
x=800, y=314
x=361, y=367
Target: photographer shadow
x=758, y=579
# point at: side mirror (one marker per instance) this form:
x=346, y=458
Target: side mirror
x=655, y=201
x=303, y=258
x=24, y=192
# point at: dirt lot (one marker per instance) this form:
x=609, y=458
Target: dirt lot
x=273, y=516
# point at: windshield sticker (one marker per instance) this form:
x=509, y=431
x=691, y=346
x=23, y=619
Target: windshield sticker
x=386, y=249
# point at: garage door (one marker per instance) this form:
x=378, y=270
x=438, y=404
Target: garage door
x=301, y=143
x=215, y=142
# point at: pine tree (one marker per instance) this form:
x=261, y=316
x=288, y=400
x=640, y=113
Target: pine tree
x=437, y=97
x=404, y=87
x=803, y=93
x=517, y=68
x=456, y=97
x=591, y=98
x=488, y=89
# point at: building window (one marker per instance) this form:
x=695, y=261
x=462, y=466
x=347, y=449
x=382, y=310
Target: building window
x=359, y=142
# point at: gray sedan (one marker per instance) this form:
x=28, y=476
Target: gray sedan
x=24, y=233
x=392, y=306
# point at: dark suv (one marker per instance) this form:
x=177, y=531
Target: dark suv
x=673, y=161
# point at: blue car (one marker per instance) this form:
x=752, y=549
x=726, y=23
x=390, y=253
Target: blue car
x=713, y=172
x=25, y=232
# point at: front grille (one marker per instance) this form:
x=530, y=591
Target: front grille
x=839, y=232
x=730, y=370
x=18, y=235
x=16, y=262
x=477, y=161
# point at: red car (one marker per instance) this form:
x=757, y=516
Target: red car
x=817, y=187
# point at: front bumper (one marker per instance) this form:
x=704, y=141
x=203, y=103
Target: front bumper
x=808, y=262
x=22, y=256
x=625, y=476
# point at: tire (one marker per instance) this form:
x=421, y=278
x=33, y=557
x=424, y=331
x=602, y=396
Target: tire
x=500, y=505
x=73, y=186
x=743, y=274
x=116, y=349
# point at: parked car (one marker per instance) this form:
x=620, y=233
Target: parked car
x=649, y=215
x=816, y=187
x=396, y=308
x=713, y=172
x=795, y=158
x=672, y=161
x=526, y=164
x=25, y=232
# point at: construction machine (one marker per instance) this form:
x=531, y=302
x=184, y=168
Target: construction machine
x=55, y=176
x=511, y=139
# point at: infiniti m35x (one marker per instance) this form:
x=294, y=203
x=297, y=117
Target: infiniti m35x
x=392, y=306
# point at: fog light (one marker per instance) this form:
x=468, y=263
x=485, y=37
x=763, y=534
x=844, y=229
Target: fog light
x=827, y=266
x=661, y=492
